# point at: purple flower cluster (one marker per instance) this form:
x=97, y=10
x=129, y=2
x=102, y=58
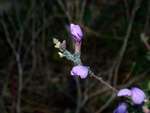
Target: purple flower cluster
x=137, y=94
x=138, y=97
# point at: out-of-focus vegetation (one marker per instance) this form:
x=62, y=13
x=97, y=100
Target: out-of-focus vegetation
x=34, y=79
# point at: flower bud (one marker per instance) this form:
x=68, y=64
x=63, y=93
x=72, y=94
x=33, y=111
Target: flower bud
x=81, y=71
x=61, y=54
x=64, y=44
x=76, y=32
x=57, y=45
x=55, y=40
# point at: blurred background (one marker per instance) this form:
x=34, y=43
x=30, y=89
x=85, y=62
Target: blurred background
x=34, y=79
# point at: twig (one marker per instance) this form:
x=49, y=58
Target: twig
x=17, y=56
x=103, y=82
x=93, y=94
x=122, y=51
x=77, y=9
x=147, y=18
x=134, y=79
x=64, y=9
x=8, y=37
x=82, y=10
x=20, y=69
x=107, y=103
x=97, y=34
x=127, y=9
x=111, y=70
x=79, y=95
x=128, y=75
x=78, y=83
x=105, y=89
x=32, y=45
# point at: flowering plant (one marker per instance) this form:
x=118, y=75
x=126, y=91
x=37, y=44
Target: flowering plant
x=135, y=95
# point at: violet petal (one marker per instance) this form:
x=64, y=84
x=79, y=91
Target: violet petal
x=82, y=71
x=138, y=95
x=124, y=92
x=121, y=109
x=76, y=32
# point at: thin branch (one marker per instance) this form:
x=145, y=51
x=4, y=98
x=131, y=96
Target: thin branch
x=8, y=37
x=103, y=82
x=147, y=18
x=107, y=103
x=93, y=94
x=105, y=89
x=134, y=79
x=64, y=9
x=77, y=9
x=79, y=95
x=127, y=9
x=82, y=10
x=128, y=75
x=97, y=34
x=20, y=69
x=124, y=46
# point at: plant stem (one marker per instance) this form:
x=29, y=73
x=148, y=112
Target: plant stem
x=103, y=82
x=78, y=47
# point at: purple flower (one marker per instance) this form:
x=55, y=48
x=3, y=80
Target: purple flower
x=81, y=71
x=76, y=32
x=121, y=109
x=137, y=94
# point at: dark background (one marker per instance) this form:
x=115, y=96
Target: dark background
x=34, y=79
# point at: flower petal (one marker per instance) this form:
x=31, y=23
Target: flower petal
x=82, y=71
x=121, y=109
x=138, y=95
x=76, y=32
x=79, y=31
x=124, y=92
x=73, y=74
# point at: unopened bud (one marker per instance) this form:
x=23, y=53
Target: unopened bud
x=55, y=40
x=61, y=55
x=57, y=45
x=64, y=44
x=76, y=32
